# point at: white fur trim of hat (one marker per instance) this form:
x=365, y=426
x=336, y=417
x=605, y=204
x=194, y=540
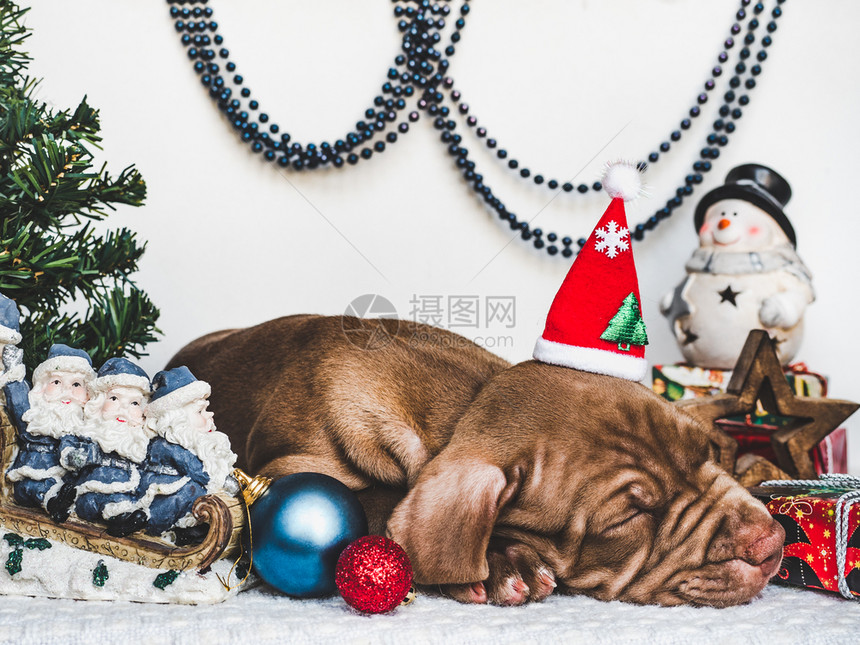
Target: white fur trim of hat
x=104, y=383
x=179, y=397
x=73, y=364
x=590, y=359
x=9, y=335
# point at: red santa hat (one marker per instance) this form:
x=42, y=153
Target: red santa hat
x=595, y=322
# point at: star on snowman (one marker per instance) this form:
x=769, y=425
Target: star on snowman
x=745, y=274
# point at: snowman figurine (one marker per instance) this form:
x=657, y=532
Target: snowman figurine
x=745, y=274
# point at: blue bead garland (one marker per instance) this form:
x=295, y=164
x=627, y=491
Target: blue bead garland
x=717, y=139
x=422, y=67
x=418, y=67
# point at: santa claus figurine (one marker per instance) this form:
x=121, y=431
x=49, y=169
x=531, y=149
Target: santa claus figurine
x=745, y=274
x=56, y=405
x=108, y=449
x=15, y=388
x=186, y=458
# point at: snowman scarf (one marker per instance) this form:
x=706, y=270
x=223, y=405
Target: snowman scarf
x=781, y=258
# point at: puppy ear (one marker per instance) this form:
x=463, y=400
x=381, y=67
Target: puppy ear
x=445, y=521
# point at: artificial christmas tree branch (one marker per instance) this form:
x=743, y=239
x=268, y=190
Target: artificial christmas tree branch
x=53, y=263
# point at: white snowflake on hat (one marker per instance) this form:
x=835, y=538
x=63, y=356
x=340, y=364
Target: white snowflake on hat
x=595, y=322
x=613, y=239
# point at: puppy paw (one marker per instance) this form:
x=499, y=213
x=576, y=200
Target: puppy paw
x=473, y=594
x=506, y=585
x=517, y=574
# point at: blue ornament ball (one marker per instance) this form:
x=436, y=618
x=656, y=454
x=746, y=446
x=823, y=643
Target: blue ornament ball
x=299, y=528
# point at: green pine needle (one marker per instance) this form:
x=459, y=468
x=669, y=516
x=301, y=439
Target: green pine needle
x=53, y=263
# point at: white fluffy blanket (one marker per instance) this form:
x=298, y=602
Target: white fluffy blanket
x=784, y=616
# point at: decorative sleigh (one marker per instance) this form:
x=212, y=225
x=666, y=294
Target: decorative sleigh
x=225, y=515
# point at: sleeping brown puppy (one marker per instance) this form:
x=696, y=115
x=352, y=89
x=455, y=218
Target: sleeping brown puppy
x=501, y=482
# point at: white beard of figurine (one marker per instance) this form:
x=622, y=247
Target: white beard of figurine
x=9, y=375
x=210, y=446
x=745, y=275
x=52, y=417
x=127, y=439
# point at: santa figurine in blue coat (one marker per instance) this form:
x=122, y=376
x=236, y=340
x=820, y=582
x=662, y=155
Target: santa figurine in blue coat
x=110, y=447
x=55, y=407
x=186, y=459
x=12, y=371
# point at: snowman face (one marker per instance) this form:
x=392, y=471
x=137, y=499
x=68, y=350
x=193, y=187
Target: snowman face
x=737, y=225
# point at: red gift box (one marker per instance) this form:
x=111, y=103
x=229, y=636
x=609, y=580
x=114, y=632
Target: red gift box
x=820, y=531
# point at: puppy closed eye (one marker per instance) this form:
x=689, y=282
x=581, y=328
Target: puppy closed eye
x=639, y=505
x=630, y=519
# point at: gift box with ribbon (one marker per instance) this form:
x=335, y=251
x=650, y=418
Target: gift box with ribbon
x=822, y=543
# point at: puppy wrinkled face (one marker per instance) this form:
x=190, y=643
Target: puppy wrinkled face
x=559, y=480
x=665, y=524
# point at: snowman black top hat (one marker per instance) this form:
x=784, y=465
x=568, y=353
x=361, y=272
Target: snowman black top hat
x=758, y=185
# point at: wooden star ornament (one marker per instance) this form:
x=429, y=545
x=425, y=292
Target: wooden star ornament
x=758, y=377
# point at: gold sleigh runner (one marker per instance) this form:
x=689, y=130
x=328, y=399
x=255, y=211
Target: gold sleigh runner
x=225, y=515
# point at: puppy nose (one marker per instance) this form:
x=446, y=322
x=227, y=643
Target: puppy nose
x=766, y=545
x=749, y=534
x=724, y=223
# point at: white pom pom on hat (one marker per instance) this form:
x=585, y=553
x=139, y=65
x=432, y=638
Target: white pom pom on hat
x=622, y=179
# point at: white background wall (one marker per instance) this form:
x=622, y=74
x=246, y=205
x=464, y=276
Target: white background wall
x=234, y=242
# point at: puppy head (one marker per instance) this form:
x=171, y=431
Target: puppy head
x=610, y=484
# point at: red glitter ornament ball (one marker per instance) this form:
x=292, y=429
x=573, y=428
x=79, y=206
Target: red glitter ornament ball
x=373, y=574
